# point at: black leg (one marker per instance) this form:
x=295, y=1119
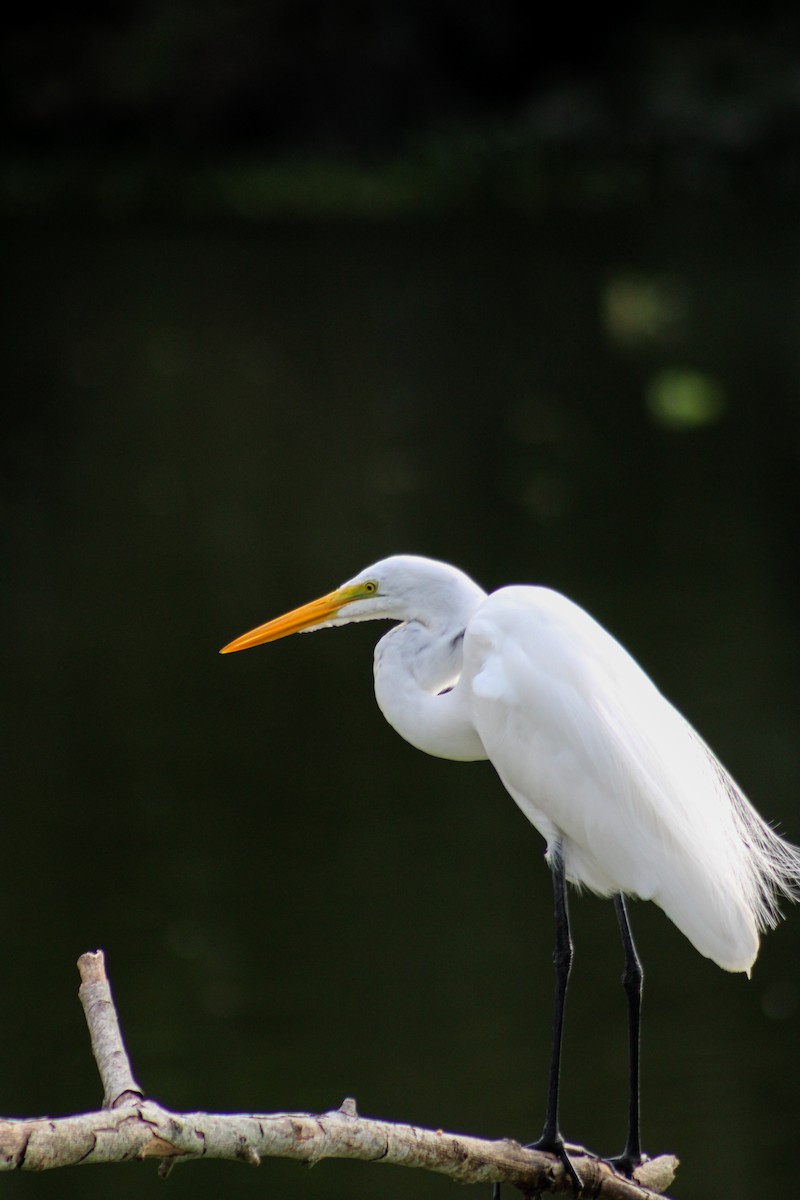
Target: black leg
x=551, y=1139
x=632, y=979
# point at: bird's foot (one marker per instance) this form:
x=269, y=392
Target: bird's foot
x=560, y=1149
x=627, y=1162
x=555, y=1144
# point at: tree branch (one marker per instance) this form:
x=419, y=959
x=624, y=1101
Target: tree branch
x=107, y=1045
x=132, y=1127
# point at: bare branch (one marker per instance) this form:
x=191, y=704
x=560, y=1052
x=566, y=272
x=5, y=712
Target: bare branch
x=107, y=1045
x=132, y=1127
x=146, y=1130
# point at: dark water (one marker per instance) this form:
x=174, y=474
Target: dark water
x=208, y=427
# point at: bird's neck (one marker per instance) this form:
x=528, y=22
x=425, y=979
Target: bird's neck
x=416, y=670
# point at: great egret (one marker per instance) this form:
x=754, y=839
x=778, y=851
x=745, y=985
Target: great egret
x=628, y=798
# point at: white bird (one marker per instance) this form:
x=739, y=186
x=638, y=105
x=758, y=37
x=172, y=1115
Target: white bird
x=629, y=799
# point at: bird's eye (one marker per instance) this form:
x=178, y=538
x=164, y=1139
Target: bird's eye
x=370, y=587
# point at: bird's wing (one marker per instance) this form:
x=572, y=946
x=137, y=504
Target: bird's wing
x=541, y=673
x=597, y=757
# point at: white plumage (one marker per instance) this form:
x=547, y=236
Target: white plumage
x=628, y=798
x=585, y=743
x=592, y=752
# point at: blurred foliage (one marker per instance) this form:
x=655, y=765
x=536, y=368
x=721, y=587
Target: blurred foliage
x=356, y=75
x=382, y=109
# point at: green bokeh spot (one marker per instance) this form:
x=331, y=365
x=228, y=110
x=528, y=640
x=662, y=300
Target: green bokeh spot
x=685, y=399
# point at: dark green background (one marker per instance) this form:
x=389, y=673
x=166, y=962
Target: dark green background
x=214, y=417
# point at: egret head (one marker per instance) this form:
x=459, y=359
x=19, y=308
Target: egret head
x=401, y=588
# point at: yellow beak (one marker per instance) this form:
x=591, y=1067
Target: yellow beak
x=305, y=617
